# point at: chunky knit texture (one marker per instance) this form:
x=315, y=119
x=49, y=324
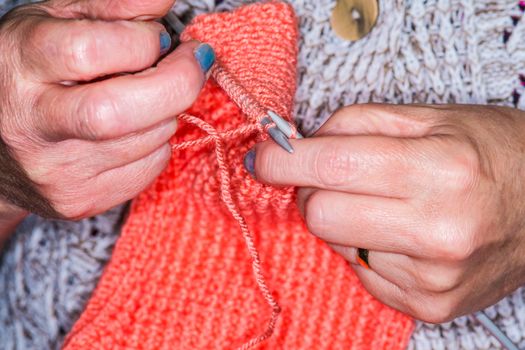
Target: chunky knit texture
x=181, y=277
x=50, y=268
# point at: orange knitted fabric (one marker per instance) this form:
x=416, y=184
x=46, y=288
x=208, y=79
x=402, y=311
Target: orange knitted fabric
x=181, y=276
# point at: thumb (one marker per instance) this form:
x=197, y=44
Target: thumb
x=114, y=9
x=383, y=120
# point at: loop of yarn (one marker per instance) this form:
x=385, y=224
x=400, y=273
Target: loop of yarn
x=267, y=127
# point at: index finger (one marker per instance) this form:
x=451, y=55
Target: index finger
x=372, y=165
x=122, y=105
x=114, y=9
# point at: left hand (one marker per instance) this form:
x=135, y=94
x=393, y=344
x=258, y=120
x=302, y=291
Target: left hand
x=88, y=102
x=435, y=193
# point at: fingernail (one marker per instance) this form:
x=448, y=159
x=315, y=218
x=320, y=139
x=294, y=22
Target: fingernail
x=249, y=162
x=205, y=56
x=165, y=42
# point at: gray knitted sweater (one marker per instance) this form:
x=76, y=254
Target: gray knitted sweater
x=424, y=51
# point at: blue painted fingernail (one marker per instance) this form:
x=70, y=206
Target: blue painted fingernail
x=165, y=42
x=249, y=162
x=205, y=56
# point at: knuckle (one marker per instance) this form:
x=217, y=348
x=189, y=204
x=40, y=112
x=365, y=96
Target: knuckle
x=74, y=210
x=334, y=165
x=95, y=116
x=438, y=281
x=315, y=213
x=450, y=243
x=437, y=310
x=79, y=51
x=65, y=199
x=431, y=309
x=463, y=170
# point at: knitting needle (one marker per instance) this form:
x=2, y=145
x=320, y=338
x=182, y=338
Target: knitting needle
x=283, y=125
x=283, y=130
x=278, y=136
x=495, y=331
x=175, y=23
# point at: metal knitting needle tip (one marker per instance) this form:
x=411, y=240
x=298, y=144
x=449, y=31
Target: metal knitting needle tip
x=175, y=23
x=283, y=125
x=278, y=136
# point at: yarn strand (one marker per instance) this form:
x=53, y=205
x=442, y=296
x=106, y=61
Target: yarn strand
x=226, y=195
x=244, y=130
x=255, y=114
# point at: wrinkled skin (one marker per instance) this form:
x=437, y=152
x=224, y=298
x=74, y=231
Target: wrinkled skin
x=78, y=137
x=436, y=193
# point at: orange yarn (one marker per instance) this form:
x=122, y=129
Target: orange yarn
x=226, y=194
x=181, y=276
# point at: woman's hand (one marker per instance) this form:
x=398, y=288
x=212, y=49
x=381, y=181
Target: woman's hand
x=77, y=136
x=435, y=193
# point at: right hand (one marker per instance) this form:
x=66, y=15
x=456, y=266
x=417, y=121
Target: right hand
x=72, y=144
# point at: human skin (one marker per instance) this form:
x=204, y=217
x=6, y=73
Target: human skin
x=77, y=137
x=436, y=193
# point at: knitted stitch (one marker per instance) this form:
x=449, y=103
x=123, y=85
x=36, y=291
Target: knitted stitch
x=49, y=268
x=180, y=276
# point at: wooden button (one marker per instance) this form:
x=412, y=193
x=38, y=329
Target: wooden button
x=354, y=19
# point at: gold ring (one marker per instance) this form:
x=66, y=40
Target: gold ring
x=362, y=258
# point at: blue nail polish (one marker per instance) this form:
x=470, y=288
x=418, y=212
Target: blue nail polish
x=165, y=42
x=205, y=56
x=249, y=162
